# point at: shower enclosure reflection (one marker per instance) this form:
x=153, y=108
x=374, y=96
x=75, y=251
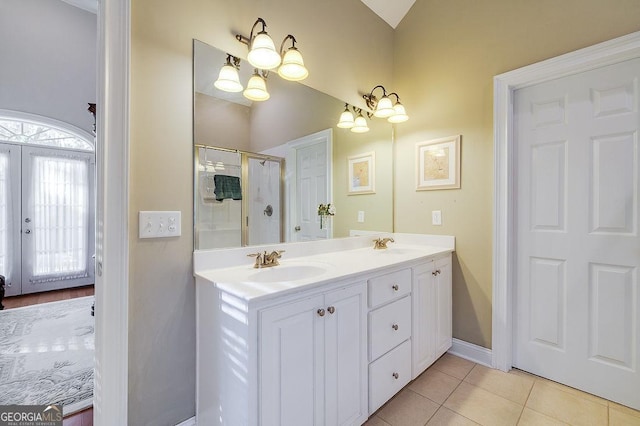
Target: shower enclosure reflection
x=240, y=198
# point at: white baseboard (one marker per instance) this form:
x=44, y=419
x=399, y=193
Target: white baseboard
x=472, y=352
x=188, y=422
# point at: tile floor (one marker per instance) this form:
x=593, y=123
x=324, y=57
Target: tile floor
x=454, y=391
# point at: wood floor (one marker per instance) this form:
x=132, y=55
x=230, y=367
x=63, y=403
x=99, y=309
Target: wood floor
x=85, y=417
x=47, y=296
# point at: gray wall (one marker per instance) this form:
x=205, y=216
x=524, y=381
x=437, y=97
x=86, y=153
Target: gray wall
x=48, y=60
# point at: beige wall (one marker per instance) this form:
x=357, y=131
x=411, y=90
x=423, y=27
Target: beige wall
x=221, y=123
x=346, y=48
x=445, y=55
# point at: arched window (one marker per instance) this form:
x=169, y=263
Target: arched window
x=34, y=130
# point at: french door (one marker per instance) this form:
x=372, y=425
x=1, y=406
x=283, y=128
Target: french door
x=46, y=218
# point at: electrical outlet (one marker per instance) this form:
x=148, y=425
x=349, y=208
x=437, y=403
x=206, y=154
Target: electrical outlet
x=436, y=217
x=159, y=224
x=360, y=216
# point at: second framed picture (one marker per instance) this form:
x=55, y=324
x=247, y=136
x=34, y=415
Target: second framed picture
x=438, y=164
x=362, y=173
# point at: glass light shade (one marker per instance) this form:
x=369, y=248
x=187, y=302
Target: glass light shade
x=360, y=125
x=346, y=120
x=256, y=89
x=228, y=79
x=263, y=53
x=292, y=67
x=400, y=115
x=384, y=108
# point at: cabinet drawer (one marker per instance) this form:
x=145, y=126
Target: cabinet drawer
x=389, y=326
x=388, y=375
x=388, y=287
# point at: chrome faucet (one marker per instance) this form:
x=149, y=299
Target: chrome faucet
x=381, y=243
x=266, y=260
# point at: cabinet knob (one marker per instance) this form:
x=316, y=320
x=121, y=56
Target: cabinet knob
x=438, y=271
x=395, y=327
x=434, y=273
x=331, y=309
x=321, y=312
x=395, y=287
x=395, y=376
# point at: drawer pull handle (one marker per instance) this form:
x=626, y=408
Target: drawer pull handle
x=395, y=287
x=395, y=327
x=321, y=312
x=331, y=309
x=395, y=376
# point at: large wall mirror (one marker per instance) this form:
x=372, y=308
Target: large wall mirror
x=262, y=168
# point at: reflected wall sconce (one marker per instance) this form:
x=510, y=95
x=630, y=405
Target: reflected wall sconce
x=257, y=86
x=384, y=107
x=263, y=54
x=357, y=124
x=228, y=78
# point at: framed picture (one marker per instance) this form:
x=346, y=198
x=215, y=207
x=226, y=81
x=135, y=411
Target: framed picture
x=438, y=164
x=362, y=173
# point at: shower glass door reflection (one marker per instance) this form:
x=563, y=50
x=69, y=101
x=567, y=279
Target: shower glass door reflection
x=239, y=198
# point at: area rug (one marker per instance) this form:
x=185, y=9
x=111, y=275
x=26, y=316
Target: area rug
x=47, y=354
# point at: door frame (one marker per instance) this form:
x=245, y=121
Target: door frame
x=504, y=217
x=111, y=385
x=290, y=164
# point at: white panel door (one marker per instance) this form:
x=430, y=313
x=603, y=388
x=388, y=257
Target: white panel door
x=312, y=189
x=578, y=249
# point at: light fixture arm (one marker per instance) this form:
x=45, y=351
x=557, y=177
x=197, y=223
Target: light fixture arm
x=244, y=40
x=396, y=95
x=233, y=61
x=371, y=99
x=293, y=43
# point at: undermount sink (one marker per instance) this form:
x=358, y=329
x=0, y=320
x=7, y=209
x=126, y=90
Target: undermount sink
x=286, y=273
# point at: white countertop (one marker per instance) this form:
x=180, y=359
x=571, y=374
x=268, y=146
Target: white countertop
x=325, y=261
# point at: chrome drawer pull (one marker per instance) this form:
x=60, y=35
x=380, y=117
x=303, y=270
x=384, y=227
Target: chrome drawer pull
x=395, y=287
x=395, y=327
x=321, y=312
x=331, y=309
x=395, y=376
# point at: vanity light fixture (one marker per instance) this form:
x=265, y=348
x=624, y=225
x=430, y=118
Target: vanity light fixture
x=292, y=67
x=360, y=123
x=262, y=51
x=384, y=107
x=400, y=114
x=257, y=87
x=228, y=78
x=263, y=54
x=346, y=118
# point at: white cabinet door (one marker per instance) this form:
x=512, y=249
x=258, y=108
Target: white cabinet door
x=346, y=356
x=424, y=307
x=443, y=282
x=431, y=313
x=313, y=360
x=291, y=363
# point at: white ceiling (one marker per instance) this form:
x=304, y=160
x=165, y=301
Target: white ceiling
x=88, y=5
x=392, y=11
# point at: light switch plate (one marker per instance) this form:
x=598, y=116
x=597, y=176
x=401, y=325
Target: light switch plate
x=360, y=216
x=159, y=224
x=436, y=217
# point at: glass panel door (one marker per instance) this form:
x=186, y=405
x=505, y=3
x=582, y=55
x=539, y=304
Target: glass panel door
x=57, y=219
x=10, y=218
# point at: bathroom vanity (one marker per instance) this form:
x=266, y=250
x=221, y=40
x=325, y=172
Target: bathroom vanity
x=326, y=337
